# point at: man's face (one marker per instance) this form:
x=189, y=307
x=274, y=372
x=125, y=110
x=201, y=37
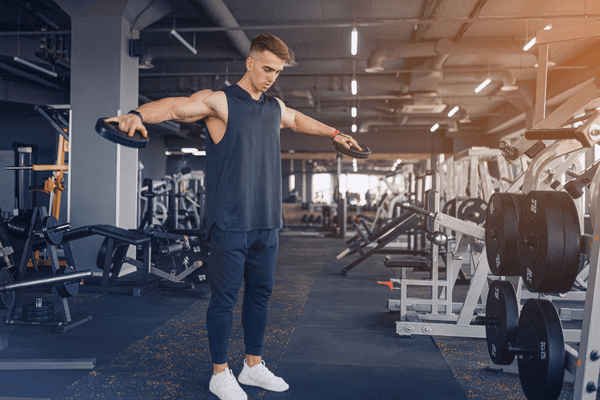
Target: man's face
x=264, y=68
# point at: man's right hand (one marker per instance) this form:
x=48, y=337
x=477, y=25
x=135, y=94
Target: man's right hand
x=129, y=123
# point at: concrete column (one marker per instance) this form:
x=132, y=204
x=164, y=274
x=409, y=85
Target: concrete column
x=104, y=82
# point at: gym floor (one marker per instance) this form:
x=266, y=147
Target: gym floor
x=330, y=337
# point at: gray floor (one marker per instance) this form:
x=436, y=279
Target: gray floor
x=330, y=337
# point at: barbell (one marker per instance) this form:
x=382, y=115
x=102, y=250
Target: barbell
x=64, y=289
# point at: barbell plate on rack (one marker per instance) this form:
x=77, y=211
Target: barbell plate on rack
x=43, y=313
x=473, y=210
x=450, y=208
x=572, y=240
x=67, y=289
x=6, y=298
x=541, y=372
x=546, y=236
x=111, y=131
x=352, y=151
x=52, y=236
x=502, y=233
x=501, y=305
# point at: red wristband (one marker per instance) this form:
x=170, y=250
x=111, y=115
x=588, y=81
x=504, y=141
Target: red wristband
x=337, y=132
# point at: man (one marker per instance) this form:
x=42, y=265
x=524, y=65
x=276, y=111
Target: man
x=243, y=182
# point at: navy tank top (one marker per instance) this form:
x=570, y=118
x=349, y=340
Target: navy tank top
x=243, y=170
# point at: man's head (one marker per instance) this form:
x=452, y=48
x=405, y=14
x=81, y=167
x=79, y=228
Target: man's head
x=266, y=42
x=267, y=56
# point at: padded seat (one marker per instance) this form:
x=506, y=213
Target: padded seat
x=121, y=234
x=395, y=261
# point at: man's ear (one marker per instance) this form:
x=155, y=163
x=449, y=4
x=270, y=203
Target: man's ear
x=249, y=63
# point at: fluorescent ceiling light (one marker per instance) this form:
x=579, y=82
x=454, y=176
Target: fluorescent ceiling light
x=354, y=42
x=483, y=84
x=434, y=127
x=37, y=67
x=353, y=112
x=453, y=111
x=189, y=150
x=199, y=153
x=354, y=86
x=529, y=44
x=354, y=127
x=183, y=41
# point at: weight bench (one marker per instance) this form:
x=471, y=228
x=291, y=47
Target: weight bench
x=421, y=263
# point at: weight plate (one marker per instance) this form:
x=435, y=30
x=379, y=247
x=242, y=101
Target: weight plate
x=111, y=131
x=541, y=241
x=473, y=210
x=552, y=229
x=6, y=298
x=450, y=208
x=45, y=307
x=502, y=233
x=541, y=372
x=502, y=306
x=572, y=242
x=50, y=234
x=38, y=313
x=353, y=152
x=67, y=289
x=47, y=318
x=119, y=251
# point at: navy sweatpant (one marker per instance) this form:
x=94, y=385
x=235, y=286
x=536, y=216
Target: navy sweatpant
x=236, y=256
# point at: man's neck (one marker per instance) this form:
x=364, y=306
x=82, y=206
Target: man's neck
x=245, y=84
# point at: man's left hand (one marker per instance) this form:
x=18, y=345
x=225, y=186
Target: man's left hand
x=346, y=140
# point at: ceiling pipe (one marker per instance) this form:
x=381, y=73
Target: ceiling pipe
x=428, y=80
x=430, y=49
x=343, y=24
x=221, y=15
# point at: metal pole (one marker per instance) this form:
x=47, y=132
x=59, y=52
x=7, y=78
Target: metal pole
x=47, y=281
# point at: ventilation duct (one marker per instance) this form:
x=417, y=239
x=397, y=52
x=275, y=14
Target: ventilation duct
x=435, y=49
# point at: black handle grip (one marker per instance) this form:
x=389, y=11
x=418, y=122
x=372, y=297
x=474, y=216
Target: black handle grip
x=416, y=209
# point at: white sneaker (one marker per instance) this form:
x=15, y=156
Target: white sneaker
x=226, y=387
x=260, y=376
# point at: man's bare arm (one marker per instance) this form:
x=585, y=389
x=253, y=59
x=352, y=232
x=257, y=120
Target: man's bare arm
x=299, y=122
x=183, y=109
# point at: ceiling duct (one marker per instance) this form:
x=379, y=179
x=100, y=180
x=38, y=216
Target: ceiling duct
x=437, y=48
x=221, y=15
x=424, y=103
